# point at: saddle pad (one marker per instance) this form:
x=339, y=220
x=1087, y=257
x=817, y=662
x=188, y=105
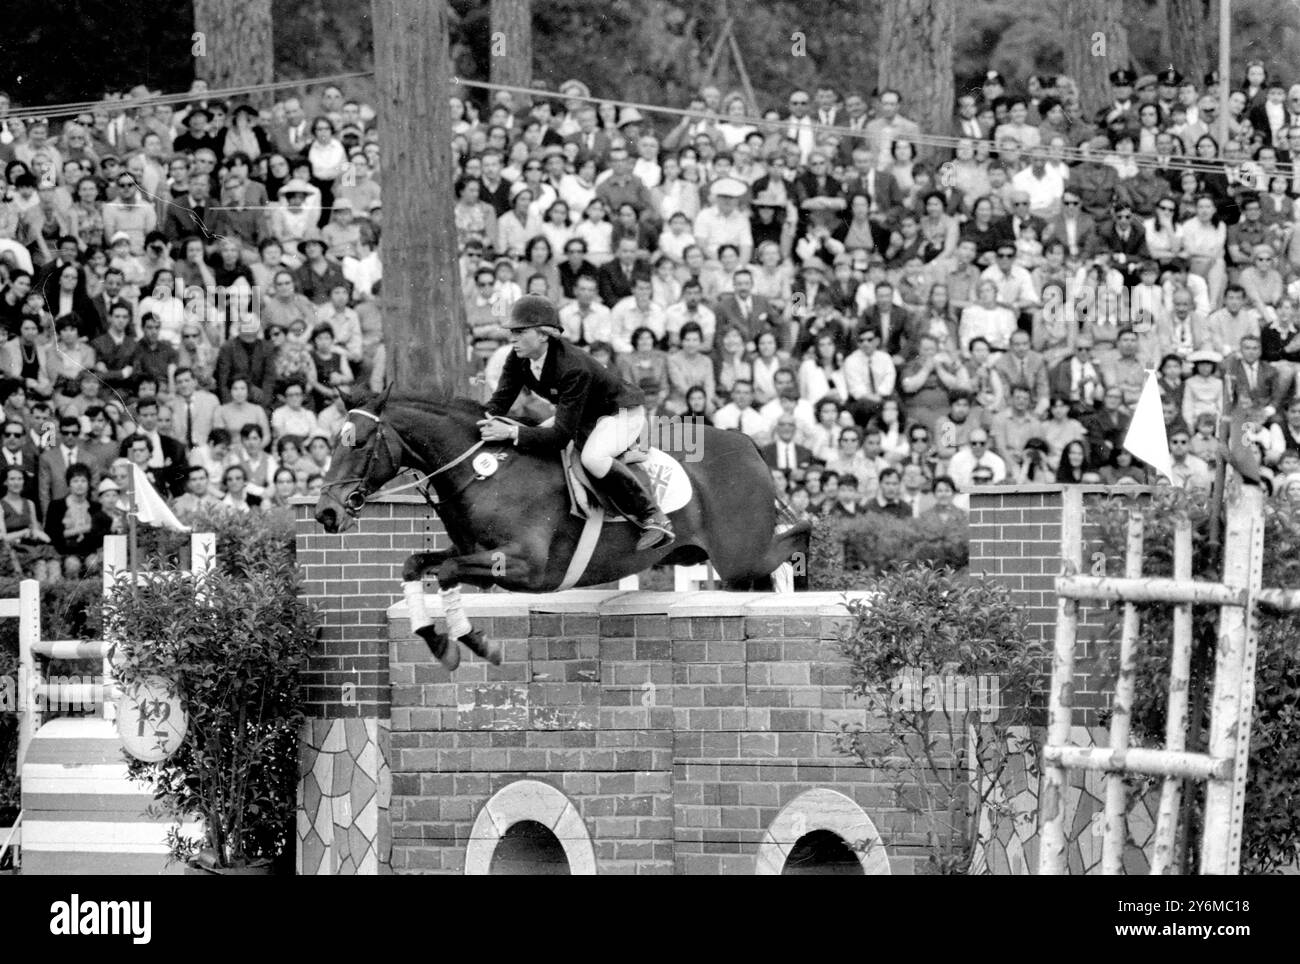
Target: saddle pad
x=669, y=483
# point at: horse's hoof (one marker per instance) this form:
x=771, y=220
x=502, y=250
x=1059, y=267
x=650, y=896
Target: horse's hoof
x=440, y=644
x=479, y=644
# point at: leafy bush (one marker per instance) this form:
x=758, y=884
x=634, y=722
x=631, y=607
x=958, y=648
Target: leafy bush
x=918, y=624
x=1271, y=832
x=846, y=553
x=256, y=545
x=235, y=645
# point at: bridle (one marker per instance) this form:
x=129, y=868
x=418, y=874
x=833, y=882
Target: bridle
x=355, y=500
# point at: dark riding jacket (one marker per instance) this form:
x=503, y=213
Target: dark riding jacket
x=581, y=389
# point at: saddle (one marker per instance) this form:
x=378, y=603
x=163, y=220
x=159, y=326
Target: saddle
x=585, y=495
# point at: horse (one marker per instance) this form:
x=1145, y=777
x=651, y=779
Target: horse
x=507, y=513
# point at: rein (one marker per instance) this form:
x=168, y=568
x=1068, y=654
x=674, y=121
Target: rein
x=356, y=499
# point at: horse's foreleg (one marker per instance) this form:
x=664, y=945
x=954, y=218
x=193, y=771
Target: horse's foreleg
x=422, y=625
x=479, y=568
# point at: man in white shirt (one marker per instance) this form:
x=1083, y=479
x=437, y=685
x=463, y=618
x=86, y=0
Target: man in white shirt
x=889, y=126
x=787, y=399
x=724, y=222
x=1225, y=328
x=1178, y=277
x=1043, y=185
x=869, y=374
x=975, y=455
x=586, y=319
x=690, y=308
x=1189, y=471
x=1016, y=288
x=799, y=125
x=740, y=414
x=633, y=312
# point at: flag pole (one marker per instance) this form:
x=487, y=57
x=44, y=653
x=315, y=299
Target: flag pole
x=1224, y=437
x=132, y=548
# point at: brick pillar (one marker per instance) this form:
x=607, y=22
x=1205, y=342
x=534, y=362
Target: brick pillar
x=352, y=580
x=1015, y=538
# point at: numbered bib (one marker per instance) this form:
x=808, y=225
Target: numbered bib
x=151, y=719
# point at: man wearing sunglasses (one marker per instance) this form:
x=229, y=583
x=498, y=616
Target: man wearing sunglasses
x=19, y=452
x=1073, y=227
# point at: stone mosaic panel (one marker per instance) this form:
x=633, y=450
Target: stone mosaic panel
x=1011, y=837
x=344, y=790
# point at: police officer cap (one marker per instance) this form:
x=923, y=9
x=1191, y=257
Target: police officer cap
x=533, y=311
x=1170, y=77
x=1122, y=77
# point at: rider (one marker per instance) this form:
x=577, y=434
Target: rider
x=593, y=405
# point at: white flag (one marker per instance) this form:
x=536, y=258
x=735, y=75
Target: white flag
x=1146, y=437
x=149, y=505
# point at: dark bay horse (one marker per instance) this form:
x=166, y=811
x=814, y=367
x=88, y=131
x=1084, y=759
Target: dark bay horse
x=512, y=528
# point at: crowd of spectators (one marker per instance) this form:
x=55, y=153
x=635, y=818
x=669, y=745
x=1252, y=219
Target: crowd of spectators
x=184, y=289
x=894, y=315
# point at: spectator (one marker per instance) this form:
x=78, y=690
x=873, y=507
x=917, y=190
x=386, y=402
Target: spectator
x=250, y=357
x=77, y=525
x=30, y=548
x=1189, y=472
x=739, y=413
x=237, y=497
x=975, y=455
x=887, y=500
x=166, y=457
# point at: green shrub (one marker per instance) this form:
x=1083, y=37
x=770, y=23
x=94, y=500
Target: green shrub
x=235, y=645
x=919, y=623
x=846, y=553
x=1271, y=832
x=249, y=545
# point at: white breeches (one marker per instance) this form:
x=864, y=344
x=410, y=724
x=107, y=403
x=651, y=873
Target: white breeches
x=612, y=436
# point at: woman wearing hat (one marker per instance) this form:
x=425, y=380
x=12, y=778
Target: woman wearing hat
x=595, y=408
x=245, y=134
x=297, y=214
x=1203, y=390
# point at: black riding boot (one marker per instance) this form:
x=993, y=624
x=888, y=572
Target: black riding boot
x=632, y=496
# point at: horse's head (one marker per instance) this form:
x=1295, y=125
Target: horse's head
x=366, y=457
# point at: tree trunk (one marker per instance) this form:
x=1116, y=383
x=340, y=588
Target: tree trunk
x=916, y=44
x=1186, y=19
x=232, y=43
x=424, y=316
x=511, y=46
x=1096, y=43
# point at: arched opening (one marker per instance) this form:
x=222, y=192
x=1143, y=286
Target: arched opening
x=820, y=832
x=531, y=849
x=529, y=827
x=822, y=852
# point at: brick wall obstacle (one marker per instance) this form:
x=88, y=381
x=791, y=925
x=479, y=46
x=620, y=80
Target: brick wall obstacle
x=629, y=732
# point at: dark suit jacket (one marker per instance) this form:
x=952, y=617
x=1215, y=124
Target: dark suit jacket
x=580, y=388
x=1267, y=390
x=599, y=149
x=1136, y=245
x=761, y=318
x=1085, y=234
x=183, y=220
x=50, y=470
x=256, y=363
x=613, y=285
x=888, y=196
x=1006, y=225
x=175, y=464
x=802, y=457
x=81, y=545
x=901, y=338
